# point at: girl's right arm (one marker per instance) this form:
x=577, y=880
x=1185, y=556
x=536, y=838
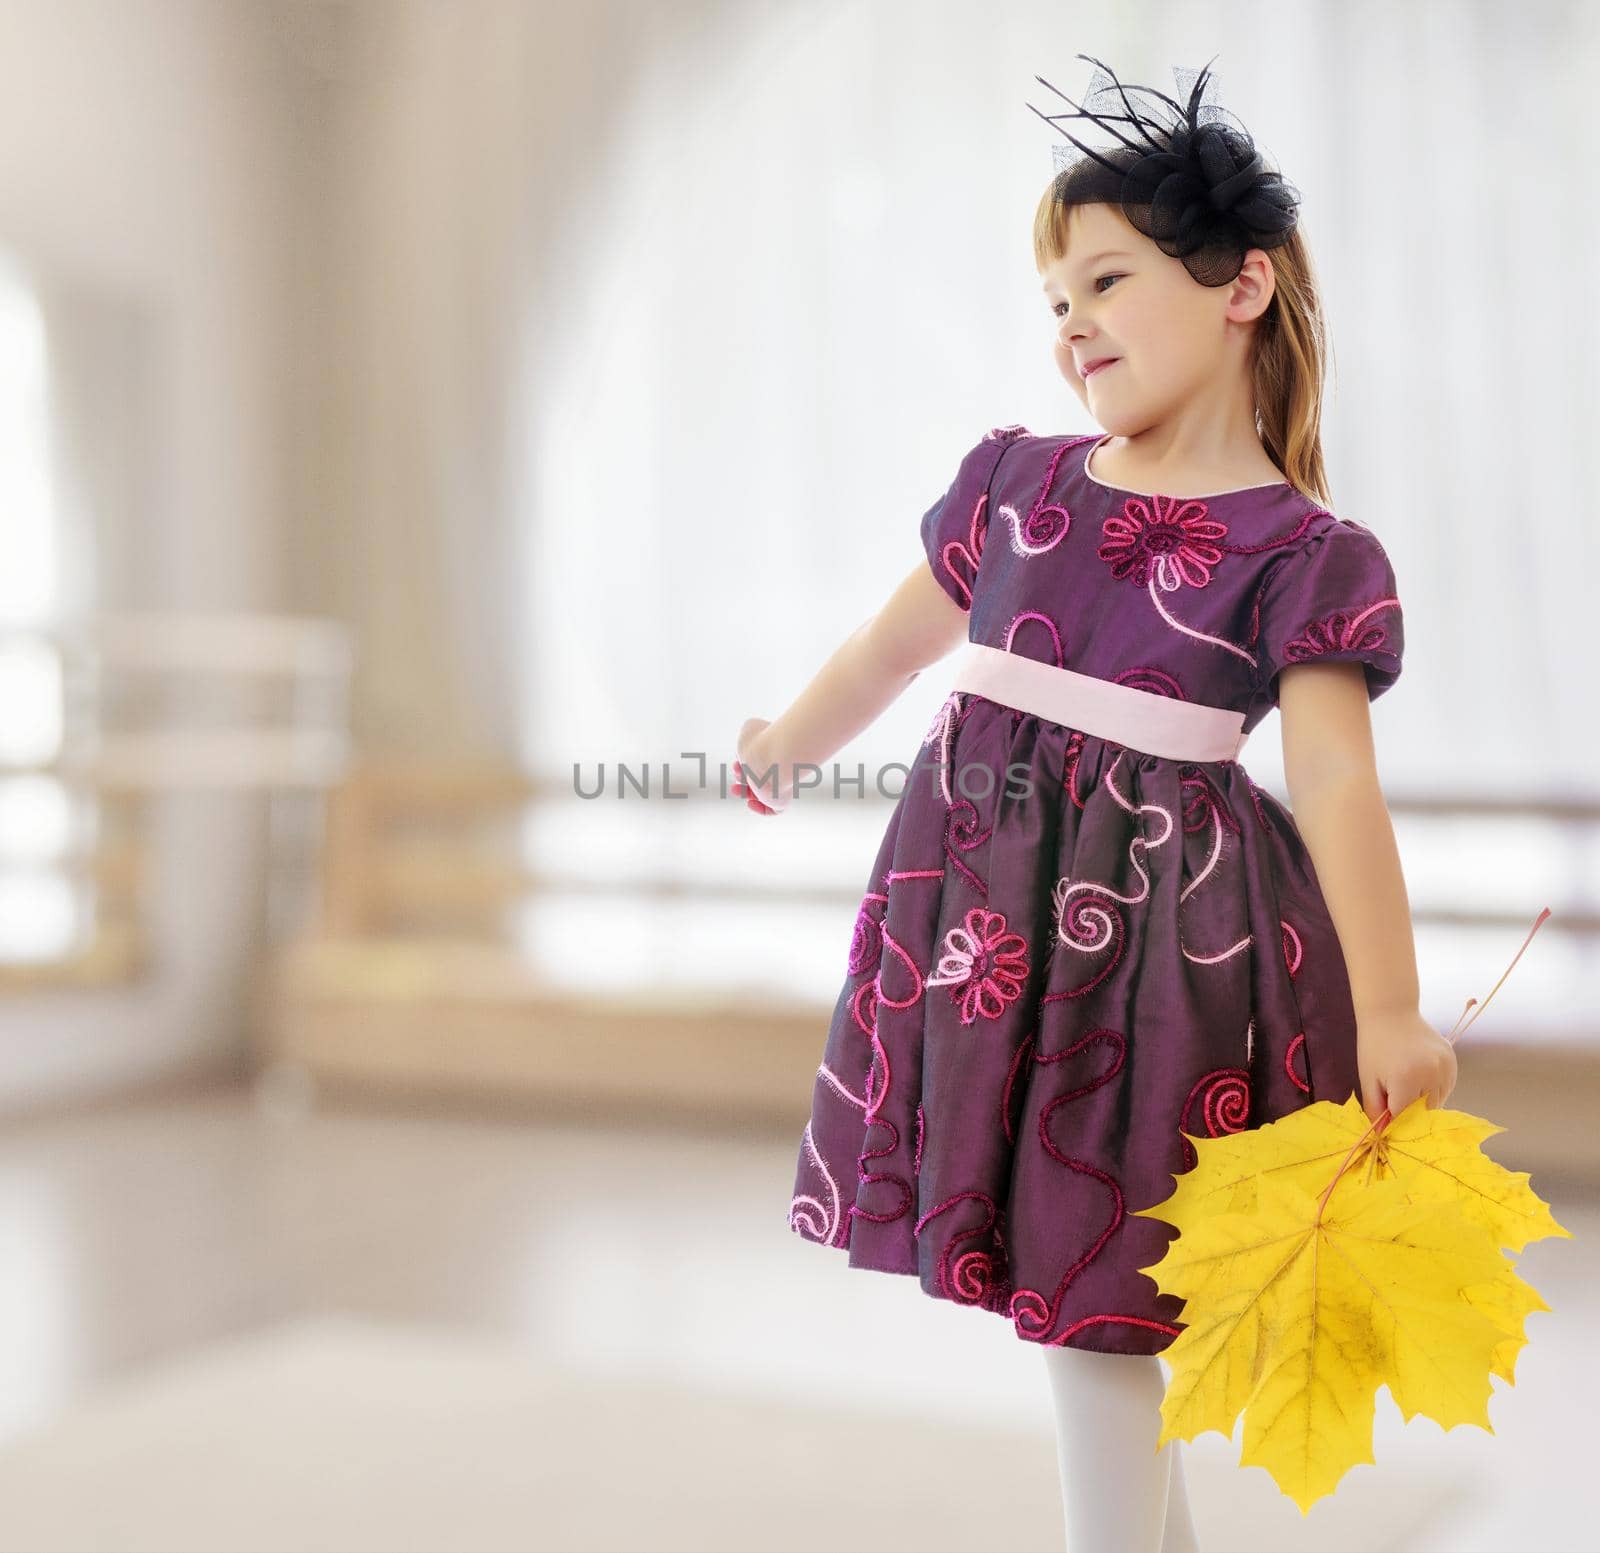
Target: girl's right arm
x=918, y=625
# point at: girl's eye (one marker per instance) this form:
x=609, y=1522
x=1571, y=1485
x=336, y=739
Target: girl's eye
x=1060, y=308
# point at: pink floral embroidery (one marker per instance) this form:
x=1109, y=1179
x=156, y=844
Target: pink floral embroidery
x=986, y=962
x=1173, y=537
x=1345, y=630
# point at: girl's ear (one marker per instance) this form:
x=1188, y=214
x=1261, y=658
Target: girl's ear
x=1252, y=291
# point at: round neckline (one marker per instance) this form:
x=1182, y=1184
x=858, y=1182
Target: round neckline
x=1238, y=490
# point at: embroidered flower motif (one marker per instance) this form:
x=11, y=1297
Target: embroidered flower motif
x=1345, y=630
x=988, y=963
x=1172, y=537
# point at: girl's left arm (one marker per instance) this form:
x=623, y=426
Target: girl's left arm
x=1330, y=768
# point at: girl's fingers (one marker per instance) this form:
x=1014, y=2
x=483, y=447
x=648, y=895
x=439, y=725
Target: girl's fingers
x=742, y=789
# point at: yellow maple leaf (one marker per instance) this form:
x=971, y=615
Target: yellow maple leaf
x=1320, y=1258
x=1436, y=1153
x=1508, y=1304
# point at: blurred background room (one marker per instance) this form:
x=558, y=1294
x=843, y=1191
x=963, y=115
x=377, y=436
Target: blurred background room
x=414, y=411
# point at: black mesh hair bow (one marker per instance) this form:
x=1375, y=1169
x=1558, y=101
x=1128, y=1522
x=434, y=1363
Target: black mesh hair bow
x=1187, y=175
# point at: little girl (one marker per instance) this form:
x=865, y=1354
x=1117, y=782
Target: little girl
x=1087, y=932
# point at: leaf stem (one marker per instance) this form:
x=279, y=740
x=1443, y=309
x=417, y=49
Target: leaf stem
x=1376, y=1128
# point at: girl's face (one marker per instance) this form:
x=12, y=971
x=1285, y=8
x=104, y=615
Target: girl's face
x=1115, y=293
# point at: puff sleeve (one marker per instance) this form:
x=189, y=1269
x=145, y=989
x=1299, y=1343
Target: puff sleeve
x=1333, y=601
x=954, y=527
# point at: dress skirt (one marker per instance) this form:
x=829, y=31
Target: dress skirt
x=1087, y=937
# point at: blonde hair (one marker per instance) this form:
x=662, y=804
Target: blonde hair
x=1289, y=359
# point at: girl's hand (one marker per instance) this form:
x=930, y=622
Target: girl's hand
x=1400, y=1056
x=751, y=767
x=740, y=789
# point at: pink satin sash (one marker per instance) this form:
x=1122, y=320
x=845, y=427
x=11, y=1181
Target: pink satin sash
x=1138, y=719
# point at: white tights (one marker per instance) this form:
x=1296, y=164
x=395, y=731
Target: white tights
x=1120, y=1494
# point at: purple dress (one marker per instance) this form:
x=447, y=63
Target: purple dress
x=1044, y=993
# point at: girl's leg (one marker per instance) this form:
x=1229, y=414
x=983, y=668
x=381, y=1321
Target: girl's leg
x=1179, y=1535
x=1114, y=1484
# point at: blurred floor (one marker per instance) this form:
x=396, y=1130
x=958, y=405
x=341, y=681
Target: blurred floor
x=233, y=1328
